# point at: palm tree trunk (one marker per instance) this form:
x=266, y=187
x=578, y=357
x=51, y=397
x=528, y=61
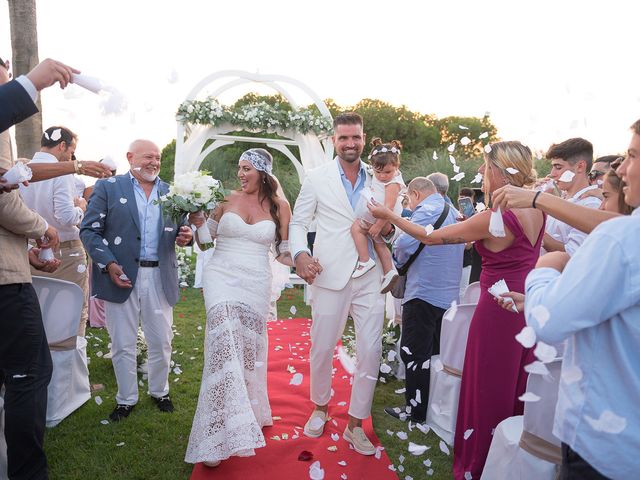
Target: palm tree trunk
x=24, y=45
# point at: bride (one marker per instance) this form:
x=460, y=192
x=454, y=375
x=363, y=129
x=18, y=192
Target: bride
x=233, y=405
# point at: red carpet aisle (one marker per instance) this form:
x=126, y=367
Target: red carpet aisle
x=288, y=361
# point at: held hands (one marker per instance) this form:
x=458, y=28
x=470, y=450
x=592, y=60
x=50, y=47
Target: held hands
x=379, y=210
x=115, y=273
x=50, y=71
x=47, y=267
x=307, y=267
x=518, y=300
x=185, y=235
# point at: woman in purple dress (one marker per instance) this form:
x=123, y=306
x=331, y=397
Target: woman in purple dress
x=493, y=374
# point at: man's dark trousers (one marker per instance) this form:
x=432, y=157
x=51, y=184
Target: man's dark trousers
x=25, y=370
x=421, y=324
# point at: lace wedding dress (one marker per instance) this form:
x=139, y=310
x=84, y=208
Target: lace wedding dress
x=233, y=405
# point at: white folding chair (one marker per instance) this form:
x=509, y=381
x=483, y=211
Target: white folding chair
x=471, y=294
x=524, y=447
x=445, y=374
x=61, y=306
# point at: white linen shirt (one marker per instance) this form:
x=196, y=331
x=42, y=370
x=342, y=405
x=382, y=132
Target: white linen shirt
x=53, y=200
x=571, y=237
x=594, y=304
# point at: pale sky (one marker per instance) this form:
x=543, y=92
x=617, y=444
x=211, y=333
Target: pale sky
x=545, y=70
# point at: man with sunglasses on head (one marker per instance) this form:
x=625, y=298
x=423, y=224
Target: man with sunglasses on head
x=56, y=201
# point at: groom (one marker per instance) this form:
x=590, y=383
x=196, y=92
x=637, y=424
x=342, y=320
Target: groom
x=330, y=193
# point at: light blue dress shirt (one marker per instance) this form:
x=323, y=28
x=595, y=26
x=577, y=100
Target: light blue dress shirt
x=434, y=276
x=149, y=216
x=353, y=192
x=595, y=305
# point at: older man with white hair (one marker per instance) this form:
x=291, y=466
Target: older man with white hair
x=132, y=245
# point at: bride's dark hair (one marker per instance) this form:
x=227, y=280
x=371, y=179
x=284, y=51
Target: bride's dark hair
x=269, y=191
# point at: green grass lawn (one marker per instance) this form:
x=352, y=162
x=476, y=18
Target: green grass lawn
x=151, y=445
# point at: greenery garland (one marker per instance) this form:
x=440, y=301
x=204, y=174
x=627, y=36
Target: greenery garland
x=258, y=116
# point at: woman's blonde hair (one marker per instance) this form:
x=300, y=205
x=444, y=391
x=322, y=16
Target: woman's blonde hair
x=512, y=155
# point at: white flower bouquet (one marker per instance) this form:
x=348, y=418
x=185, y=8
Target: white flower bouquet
x=193, y=192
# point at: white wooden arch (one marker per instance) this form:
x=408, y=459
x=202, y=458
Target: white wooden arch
x=190, y=140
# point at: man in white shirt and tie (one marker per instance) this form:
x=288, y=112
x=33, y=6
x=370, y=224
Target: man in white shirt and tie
x=56, y=201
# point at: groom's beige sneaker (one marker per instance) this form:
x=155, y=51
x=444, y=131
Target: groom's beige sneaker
x=315, y=425
x=359, y=440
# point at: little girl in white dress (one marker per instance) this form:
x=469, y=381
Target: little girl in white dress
x=386, y=187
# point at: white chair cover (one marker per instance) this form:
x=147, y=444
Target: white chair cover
x=471, y=294
x=524, y=447
x=61, y=305
x=446, y=373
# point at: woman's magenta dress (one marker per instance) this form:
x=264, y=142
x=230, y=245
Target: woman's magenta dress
x=493, y=376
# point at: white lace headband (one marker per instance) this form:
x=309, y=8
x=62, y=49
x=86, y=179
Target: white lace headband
x=258, y=160
x=383, y=150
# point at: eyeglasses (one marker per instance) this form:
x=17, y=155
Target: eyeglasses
x=593, y=174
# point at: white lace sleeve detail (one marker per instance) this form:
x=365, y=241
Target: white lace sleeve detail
x=284, y=247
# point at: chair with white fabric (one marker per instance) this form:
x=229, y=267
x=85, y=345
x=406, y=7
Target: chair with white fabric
x=61, y=305
x=446, y=372
x=524, y=447
x=471, y=294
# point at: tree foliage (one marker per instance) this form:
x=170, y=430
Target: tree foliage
x=420, y=134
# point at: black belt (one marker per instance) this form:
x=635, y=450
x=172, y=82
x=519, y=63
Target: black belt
x=148, y=263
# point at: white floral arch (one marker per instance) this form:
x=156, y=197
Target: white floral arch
x=314, y=149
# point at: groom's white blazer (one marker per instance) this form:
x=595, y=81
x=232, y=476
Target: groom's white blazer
x=323, y=195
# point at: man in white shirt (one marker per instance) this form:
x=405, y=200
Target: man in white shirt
x=56, y=201
x=570, y=165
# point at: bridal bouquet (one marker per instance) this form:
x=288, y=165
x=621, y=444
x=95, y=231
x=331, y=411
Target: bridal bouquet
x=193, y=192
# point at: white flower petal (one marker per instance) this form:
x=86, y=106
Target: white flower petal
x=451, y=147
x=82, y=268
x=95, y=225
x=416, y=449
x=384, y=368
x=527, y=337
x=566, y=176
x=537, y=368
x=117, y=241
x=487, y=148
x=477, y=178
x=545, y=353
x=529, y=397
x=429, y=229
x=458, y=177
x=123, y=200
x=443, y=447
x=608, y=422
x=512, y=170
x=483, y=135
x=56, y=135
x=541, y=315
x=296, y=379
x=465, y=141
x=467, y=433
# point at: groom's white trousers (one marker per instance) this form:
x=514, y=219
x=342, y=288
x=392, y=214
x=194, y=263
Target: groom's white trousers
x=148, y=306
x=361, y=299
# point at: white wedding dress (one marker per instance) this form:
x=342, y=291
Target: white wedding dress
x=233, y=405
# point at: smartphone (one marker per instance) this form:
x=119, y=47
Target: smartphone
x=466, y=207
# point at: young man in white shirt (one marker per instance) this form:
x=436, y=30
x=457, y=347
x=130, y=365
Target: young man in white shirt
x=56, y=201
x=571, y=162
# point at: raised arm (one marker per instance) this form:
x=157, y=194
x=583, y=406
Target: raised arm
x=473, y=229
x=578, y=216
